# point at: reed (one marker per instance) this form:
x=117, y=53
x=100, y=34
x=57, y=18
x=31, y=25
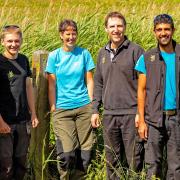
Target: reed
x=39, y=21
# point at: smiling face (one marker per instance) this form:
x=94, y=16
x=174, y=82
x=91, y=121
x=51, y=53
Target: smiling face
x=69, y=37
x=12, y=43
x=115, y=29
x=163, y=33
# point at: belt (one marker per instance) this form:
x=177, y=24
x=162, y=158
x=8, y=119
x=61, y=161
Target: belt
x=170, y=112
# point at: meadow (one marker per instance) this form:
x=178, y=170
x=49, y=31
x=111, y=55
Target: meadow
x=39, y=21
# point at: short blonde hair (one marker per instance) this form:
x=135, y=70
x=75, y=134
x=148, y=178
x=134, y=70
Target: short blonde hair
x=11, y=29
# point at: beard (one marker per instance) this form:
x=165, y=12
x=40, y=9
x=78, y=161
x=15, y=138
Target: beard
x=165, y=42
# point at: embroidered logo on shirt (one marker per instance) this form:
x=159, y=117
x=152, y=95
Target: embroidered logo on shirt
x=152, y=58
x=10, y=74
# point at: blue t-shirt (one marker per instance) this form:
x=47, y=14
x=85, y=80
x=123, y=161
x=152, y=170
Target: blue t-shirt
x=170, y=84
x=70, y=69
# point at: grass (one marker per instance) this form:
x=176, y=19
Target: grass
x=39, y=21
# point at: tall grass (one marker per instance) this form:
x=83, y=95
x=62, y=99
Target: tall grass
x=39, y=21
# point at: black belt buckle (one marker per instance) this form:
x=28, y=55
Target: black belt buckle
x=170, y=112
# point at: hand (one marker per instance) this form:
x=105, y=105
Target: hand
x=142, y=130
x=4, y=127
x=137, y=120
x=53, y=108
x=34, y=121
x=95, y=121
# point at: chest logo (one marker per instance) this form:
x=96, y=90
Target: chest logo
x=10, y=74
x=152, y=58
x=103, y=60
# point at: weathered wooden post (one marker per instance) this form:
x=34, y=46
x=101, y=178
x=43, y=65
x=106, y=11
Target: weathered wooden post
x=40, y=135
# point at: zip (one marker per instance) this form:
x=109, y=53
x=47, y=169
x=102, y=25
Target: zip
x=177, y=80
x=163, y=75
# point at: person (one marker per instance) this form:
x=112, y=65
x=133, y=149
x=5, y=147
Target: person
x=71, y=83
x=158, y=101
x=115, y=85
x=17, y=107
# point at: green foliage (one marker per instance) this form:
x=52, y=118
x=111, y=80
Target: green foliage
x=39, y=21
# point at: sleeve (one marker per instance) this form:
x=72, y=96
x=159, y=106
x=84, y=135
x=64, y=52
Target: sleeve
x=89, y=63
x=50, y=66
x=98, y=86
x=29, y=72
x=140, y=65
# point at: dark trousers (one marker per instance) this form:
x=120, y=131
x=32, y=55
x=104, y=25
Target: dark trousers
x=165, y=139
x=13, y=152
x=121, y=142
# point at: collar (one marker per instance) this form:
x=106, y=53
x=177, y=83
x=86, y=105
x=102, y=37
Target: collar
x=124, y=44
x=173, y=43
x=175, y=46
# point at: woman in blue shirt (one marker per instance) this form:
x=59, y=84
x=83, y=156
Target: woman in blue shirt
x=70, y=80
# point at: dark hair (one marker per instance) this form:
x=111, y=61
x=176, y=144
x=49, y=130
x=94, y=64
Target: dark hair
x=8, y=29
x=163, y=18
x=114, y=14
x=65, y=23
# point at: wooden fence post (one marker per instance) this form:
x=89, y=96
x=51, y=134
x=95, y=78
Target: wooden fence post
x=40, y=135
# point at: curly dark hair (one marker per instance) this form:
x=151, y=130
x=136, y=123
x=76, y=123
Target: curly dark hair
x=163, y=18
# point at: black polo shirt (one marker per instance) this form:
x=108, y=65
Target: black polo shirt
x=13, y=98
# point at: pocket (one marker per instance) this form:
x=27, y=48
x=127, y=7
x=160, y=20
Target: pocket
x=137, y=138
x=89, y=107
x=148, y=152
x=58, y=111
x=28, y=127
x=54, y=113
